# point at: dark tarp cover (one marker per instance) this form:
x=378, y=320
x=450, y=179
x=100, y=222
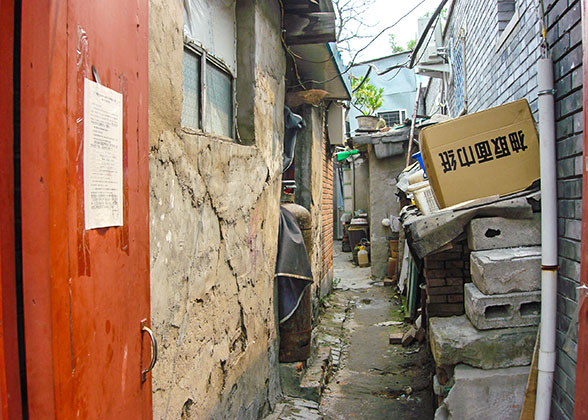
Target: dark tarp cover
x=292, y=266
x=292, y=124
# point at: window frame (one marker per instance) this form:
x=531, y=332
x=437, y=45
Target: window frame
x=401, y=113
x=508, y=29
x=206, y=59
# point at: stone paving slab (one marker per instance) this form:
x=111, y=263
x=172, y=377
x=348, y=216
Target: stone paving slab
x=295, y=409
x=518, y=309
x=485, y=394
x=455, y=340
x=506, y=270
x=499, y=232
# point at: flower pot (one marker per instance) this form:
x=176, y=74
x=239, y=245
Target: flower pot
x=367, y=122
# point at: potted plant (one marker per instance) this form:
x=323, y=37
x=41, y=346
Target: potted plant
x=366, y=99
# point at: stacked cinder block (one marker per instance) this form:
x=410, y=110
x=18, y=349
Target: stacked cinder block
x=445, y=273
x=485, y=355
x=506, y=273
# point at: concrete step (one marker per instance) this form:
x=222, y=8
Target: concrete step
x=485, y=394
x=295, y=409
x=307, y=380
x=506, y=270
x=518, y=309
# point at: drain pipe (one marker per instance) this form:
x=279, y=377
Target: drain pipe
x=549, y=262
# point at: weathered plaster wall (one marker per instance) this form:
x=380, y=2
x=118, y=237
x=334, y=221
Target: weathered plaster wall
x=383, y=203
x=214, y=223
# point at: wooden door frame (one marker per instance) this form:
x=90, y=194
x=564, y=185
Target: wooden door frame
x=10, y=395
x=581, y=400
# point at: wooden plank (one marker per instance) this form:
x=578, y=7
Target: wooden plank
x=310, y=28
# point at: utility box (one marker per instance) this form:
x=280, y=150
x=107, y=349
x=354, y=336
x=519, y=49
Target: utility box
x=492, y=152
x=336, y=123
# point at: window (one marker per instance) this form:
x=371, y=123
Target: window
x=393, y=117
x=508, y=17
x=209, y=67
x=208, y=93
x=506, y=10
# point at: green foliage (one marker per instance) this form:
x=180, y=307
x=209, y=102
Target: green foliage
x=394, y=45
x=368, y=98
x=411, y=44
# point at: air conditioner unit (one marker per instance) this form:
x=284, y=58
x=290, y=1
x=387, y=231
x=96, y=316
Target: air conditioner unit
x=428, y=53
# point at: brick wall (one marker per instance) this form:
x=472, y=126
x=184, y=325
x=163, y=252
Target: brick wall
x=494, y=75
x=498, y=74
x=327, y=208
x=565, y=39
x=445, y=274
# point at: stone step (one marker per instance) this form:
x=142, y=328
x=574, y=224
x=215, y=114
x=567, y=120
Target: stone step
x=498, y=232
x=484, y=394
x=307, y=380
x=506, y=270
x=455, y=340
x=295, y=409
x=519, y=309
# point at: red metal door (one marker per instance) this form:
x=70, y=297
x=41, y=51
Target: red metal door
x=10, y=403
x=581, y=404
x=86, y=292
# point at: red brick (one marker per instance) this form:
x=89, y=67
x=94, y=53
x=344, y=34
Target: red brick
x=454, y=281
x=437, y=298
x=433, y=263
x=435, y=282
x=447, y=290
x=454, y=264
x=454, y=298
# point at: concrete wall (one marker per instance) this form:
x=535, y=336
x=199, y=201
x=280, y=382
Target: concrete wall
x=362, y=179
x=383, y=203
x=499, y=75
x=214, y=223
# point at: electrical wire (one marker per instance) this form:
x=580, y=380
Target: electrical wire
x=352, y=63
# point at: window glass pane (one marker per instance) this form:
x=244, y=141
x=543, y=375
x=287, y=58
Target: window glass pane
x=191, y=86
x=219, y=101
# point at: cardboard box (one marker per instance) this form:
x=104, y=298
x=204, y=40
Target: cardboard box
x=491, y=152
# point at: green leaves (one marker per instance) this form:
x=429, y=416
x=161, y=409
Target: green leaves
x=367, y=98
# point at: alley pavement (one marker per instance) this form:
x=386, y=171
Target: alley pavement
x=370, y=378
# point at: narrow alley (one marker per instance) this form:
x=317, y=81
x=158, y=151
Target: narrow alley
x=369, y=378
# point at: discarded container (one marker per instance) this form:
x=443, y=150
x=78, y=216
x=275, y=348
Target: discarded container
x=423, y=197
x=356, y=233
x=492, y=152
x=362, y=257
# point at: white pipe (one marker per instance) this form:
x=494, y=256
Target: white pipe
x=548, y=239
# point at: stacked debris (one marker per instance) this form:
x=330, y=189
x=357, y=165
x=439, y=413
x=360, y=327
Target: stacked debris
x=483, y=261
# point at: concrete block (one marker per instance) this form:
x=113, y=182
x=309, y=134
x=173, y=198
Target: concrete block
x=479, y=394
x=506, y=270
x=455, y=340
x=507, y=310
x=498, y=232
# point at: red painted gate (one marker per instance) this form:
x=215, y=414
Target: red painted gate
x=86, y=292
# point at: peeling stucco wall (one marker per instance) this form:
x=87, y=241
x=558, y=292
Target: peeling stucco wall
x=214, y=211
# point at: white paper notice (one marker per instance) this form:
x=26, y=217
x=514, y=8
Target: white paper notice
x=103, y=156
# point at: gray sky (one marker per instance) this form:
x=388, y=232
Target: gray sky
x=386, y=12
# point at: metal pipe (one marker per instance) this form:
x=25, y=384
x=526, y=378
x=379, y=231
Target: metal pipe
x=548, y=239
